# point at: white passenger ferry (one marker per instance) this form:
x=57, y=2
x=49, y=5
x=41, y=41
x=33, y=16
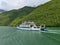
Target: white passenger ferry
x=30, y=26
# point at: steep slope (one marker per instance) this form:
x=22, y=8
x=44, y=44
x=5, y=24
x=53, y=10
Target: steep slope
x=48, y=14
x=7, y=17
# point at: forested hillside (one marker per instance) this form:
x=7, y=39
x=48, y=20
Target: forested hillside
x=48, y=14
x=7, y=17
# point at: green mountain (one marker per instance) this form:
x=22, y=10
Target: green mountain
x=48, y=13
x=7, y=17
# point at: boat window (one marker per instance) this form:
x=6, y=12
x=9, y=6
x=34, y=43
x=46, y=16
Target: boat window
x=31, y=25
x=38, y=26
x=35, y=27
x=25, y=27
x=42, y=26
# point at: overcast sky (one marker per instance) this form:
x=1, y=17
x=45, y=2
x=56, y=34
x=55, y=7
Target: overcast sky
x=15, y=4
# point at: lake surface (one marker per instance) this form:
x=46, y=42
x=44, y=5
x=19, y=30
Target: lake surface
x=12, y=36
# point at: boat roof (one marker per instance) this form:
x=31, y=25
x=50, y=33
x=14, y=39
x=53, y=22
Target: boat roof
x=27, y=23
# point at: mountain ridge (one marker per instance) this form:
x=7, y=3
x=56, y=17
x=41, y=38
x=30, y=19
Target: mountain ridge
x=7, y=17
x=48, y=14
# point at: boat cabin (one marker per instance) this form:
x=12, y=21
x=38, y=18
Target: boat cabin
x=43, y=27
x=28, y=24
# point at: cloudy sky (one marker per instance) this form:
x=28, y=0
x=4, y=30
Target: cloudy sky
x=15, y=4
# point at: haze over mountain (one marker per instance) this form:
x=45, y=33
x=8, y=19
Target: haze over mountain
x=16, y=4
x=1, y=10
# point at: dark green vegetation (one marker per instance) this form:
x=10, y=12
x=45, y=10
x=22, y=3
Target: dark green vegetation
x=12, y=36
x=7, y=17
x=48, y=14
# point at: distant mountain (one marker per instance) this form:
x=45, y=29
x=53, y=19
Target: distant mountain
x=7, y=17
x=1, y=10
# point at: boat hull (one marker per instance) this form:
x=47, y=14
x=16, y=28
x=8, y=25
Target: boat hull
x=37, y=29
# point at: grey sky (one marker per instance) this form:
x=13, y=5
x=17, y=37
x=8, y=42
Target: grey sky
x=15, y=4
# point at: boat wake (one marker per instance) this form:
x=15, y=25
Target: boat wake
x=53, y=31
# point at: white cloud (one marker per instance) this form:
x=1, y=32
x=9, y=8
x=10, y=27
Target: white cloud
x=15, y=4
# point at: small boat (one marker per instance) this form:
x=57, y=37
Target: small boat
x=30, y=26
